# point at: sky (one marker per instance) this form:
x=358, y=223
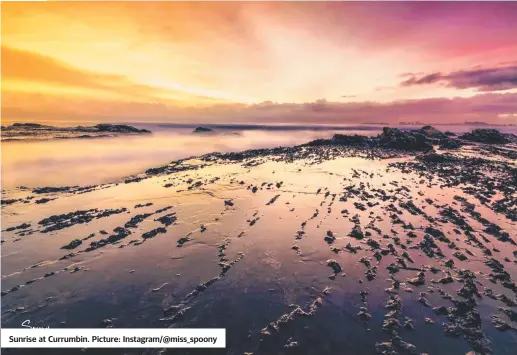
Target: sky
x=259, y=62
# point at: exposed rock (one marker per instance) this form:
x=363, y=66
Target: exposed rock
x=66, y=220
x=356, y=232
x=397, y=139
x=431, y=132
x=19, y=131
x=329, y=238
x=153, y=233
x=447, y=143
x=21, y=226
x=73, y=244
x=202, y=130
x=489, y=136
x=334, y=265
x=352, y=140
x=119, y=128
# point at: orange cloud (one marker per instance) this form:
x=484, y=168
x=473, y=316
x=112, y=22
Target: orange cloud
x=169, y=60
x=31, y=80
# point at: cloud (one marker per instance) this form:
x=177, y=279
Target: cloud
x=484, y=79
x=27, y=66
x=483, y=107
x=487, y=107
x=33, y=68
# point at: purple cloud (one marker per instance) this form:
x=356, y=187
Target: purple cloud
x=487, y=79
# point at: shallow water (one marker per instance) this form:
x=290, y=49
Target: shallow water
x=268, y=275
x=101, y=160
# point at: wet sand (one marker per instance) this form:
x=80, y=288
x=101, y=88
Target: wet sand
x=329, y=248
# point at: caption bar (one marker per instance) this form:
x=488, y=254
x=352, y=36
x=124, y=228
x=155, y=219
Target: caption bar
x=113, y=338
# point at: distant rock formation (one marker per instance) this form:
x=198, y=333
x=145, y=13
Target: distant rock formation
x=27, y=125
x=489, y=136
x=24, y=131
x=422, y=139
x=119, y=128
x=391, y=138
x=202, y=130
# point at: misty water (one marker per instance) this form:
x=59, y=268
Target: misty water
x=102, y=160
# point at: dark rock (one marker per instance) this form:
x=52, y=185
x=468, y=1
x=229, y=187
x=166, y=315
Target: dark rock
x=334, y=265
x=135, y=220
x=73, y=244
x=21, y=226
x=397, y=139
x=202, y=130
x=153, y=233
x=364, y=315
x=356, y=232
x=329, y=238
x=489, y=136
x=447, y=143
x=437, y=158
x=431, y=132
x=58, y=222
x=460, y=256
x=26, y=125
x=168, y=219
x=351, y=140
x=418, y=280
x=119, y=128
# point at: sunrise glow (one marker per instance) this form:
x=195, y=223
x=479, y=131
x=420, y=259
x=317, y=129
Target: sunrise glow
x=217, y=61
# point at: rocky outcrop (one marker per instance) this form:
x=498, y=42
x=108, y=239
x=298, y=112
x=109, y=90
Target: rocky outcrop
x=354, y=140
x=202, y=130
x=397, y=139
x=447, y=143
x=420, y=140
x=489, y=136
x=21, y=131
x=431, y=132
x=119, y=128
x=391, y=138
x=26, y=125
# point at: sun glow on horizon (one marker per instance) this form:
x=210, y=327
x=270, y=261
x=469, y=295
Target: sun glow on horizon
x=166, y=56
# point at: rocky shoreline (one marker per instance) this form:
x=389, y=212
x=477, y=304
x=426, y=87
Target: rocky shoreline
x=368, y=243
x=24, y=131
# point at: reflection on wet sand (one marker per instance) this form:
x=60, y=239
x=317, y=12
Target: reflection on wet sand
x=313, y=249
x=101, y=160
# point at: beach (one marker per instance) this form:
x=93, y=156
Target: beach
x=356, y=244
